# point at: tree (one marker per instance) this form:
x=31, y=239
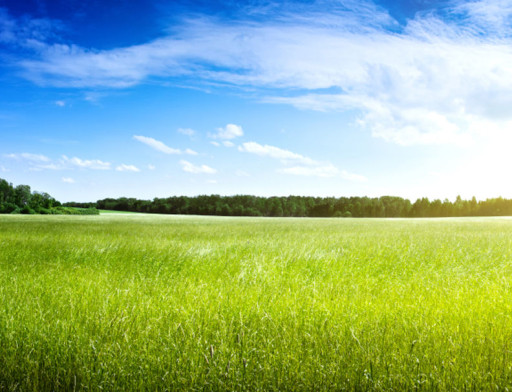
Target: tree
x=22, y=195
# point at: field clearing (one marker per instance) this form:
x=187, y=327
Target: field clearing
x=159, y=302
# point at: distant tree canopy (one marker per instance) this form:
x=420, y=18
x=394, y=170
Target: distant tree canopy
x=303, y=206
x=20, y=200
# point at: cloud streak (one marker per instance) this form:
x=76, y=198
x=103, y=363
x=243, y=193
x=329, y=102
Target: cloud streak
x=29, y=157
x=39, y=162
x=302, y=165
x=196, y=169
x=275, y=152
x=156, y=144
x=230, y=131
x=417, y=83
x=94, y=164
x=162, y=147
x=127, y=168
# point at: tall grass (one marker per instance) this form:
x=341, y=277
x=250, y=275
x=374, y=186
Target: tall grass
x=168, y=303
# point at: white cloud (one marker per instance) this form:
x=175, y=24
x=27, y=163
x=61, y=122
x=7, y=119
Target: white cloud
x=35, y=162
x=227, y=143
x=160, y=146
x=94, y=164
x=216, y=144
x=29, y=157
x=275, y=152
x=93, y=97
x=230, y=131
x=60, y=103
x=130, y=168
x=487, y=15
x=191, y=168
x=321, y=171
x=449, y=67
x=306, y=166
x=68, y=180
x=156, y=144
x=415, y=126
x=187, y=131
x=39, y=162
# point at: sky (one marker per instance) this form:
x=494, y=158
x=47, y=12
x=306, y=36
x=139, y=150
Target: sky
x=320, y=98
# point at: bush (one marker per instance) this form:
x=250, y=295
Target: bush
x=8, y=208
x=75, y=211
x=27, y=210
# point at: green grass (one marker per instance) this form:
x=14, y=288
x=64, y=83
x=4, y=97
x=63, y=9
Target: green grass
x=142, y=302
x=107, y=212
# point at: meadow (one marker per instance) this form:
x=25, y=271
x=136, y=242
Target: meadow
x=147, y=302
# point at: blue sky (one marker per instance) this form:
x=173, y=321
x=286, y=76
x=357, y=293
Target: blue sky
x=325, y=98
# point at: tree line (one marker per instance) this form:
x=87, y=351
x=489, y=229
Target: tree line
x=303, y=206
x=21, y=200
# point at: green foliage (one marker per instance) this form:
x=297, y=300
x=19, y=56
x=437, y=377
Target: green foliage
x=20, y=200
x=191, y=303
x=75, y=211
x=303, y=206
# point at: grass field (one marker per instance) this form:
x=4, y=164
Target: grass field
x=108, y=212
x=142, y=302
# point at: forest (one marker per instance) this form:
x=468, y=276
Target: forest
x=304, y=206
x=21, y=200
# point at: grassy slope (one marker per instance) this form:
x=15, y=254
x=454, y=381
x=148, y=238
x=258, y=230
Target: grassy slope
x=162, y=302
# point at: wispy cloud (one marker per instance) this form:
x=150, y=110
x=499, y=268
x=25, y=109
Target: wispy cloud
x=423, y=82
x=160, y=146
x=201, y=169
x=230, y=131
x=275, y=152
x=156, y=145
x=486, y=16
x=94, y=164
x=39, y=162
x=68, y=180
x=303, y=166
x=35, y=162
x=27, y=32
x=129, y=168
x=29, y=157
x=60, y=103
x=187, y=131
